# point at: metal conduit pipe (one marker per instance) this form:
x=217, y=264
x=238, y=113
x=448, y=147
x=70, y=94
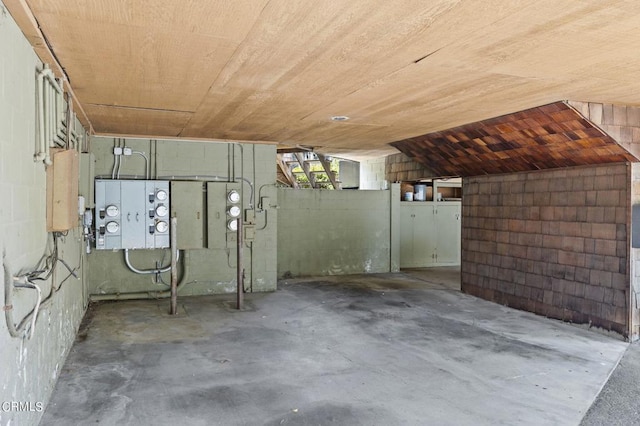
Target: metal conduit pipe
x=147, y=294
x=146, y=163
x=146, y=271
x=47, y=120
x=47, y=90
x=242, y=172
x=50, y=114
x=174, y=266
x=40, y=155
x=240, y=269
x=60, y=114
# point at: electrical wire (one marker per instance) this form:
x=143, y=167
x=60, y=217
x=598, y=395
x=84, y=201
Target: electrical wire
x=120, y=165
x=115, y=159
x=44, y=269
x=36, y=309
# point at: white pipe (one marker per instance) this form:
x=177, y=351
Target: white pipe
x=47, y=108
x=47, y=121
x=49, y=92
x=60, y=108
x=52, y=79
x=40, y=155
x=51, y=115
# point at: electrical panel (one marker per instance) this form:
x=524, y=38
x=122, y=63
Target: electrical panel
x=132, y=214
x=223, y=213
x=188, y=206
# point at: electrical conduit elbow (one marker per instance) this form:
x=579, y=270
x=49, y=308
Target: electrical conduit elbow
x=145, y=271
x=147, y=294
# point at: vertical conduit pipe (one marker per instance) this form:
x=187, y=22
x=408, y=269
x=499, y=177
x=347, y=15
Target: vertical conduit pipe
x=50, y=114
x=240, y=277
x=174, y=266
x=40, y=155
x=61, y=115
x=45, y=113
x=48, y=91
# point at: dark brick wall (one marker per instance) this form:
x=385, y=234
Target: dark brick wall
x=399, y=167
x=551, y=242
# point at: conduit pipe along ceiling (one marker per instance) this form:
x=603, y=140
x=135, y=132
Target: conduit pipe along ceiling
x=275, y=70
x=550, y=136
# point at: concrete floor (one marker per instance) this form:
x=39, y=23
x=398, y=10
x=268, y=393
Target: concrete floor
x=385, y=349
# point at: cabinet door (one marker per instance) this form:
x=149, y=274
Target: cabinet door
x=448, y=233
x=406, y=236
x=424, y=243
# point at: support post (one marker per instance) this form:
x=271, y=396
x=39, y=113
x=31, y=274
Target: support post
x=240, y=271
x=174, y=266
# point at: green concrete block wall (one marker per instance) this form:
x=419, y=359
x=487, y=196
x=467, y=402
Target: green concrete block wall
x=325, y=232
x=29, y=367
x=210, y=271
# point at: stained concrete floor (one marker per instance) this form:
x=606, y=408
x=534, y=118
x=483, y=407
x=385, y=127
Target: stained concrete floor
x=384, y=349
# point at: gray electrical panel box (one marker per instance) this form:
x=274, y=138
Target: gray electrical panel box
x=223, y=212
x=132, y=214
x=188, y=206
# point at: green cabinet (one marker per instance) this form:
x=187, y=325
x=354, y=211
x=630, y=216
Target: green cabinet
x=430, y=234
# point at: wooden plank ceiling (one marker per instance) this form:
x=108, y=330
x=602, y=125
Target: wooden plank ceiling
x=277, y=70
x=545, y=137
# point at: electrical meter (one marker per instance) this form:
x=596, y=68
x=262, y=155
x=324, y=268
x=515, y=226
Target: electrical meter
x=162, y=226
x=161, y=195
x=232, y=225
x=233, y=211
x=233, y=196
x=113, y=227
x=161, y=210
x=112, y=210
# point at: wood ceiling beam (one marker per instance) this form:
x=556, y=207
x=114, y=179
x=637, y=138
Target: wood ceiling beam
x=213, y=140
x=293, y=150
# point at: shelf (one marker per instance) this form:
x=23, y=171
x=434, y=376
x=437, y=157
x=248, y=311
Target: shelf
x=449, y=190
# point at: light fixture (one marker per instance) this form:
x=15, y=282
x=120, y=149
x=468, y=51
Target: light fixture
x=339, y=118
